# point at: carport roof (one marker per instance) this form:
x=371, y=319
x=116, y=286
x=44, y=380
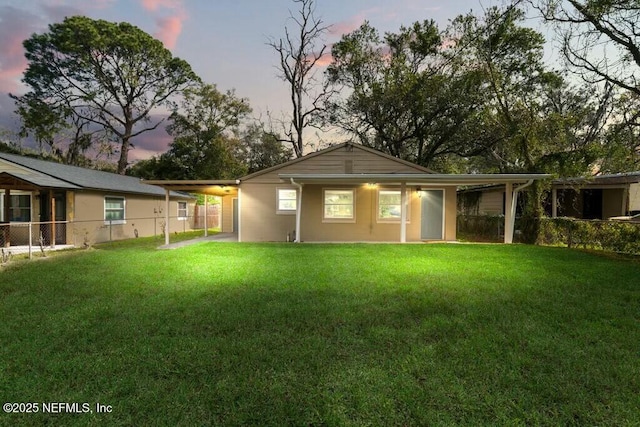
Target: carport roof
x=212, y=187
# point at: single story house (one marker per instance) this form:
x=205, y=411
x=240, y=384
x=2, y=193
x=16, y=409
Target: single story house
x=346, y=193
x=598, y=197
x=76, y=204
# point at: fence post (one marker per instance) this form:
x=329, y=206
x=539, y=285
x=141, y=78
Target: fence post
x=110, y=230
x=30, y=229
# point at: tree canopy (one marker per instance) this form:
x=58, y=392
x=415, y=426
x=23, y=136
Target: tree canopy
x=101, y=74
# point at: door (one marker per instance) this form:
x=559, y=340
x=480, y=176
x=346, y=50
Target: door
x=432, y=215
x=60, y=216
x=592, y=204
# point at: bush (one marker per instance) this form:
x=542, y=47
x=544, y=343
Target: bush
x=615, y=236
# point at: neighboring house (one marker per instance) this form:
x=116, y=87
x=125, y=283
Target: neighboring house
x=599, y=197
x=345, y=193
x=75, y=204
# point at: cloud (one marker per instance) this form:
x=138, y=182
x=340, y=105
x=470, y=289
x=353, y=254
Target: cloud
x=15, y=27
x=169, y=30
x=169, y=26
x=153, y=5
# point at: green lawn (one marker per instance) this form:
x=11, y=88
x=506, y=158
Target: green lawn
x=286, y=334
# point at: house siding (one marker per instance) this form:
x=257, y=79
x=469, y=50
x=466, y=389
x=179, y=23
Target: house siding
x=261, y=222
x=350, y=159
x=142, y=213
x=612, y=202
x=634, y=198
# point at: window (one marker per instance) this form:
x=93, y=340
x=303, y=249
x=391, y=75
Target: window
x=182, y=210
x=287, y=200
x=389, y=202
x=20, y=208
x=339, y=204
x=114, y=210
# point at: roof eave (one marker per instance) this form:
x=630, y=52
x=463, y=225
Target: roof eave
x=414, y=179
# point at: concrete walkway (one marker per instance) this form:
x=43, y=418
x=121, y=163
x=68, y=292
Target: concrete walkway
x=219, y=237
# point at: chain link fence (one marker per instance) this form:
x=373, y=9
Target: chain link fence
x=17, y=238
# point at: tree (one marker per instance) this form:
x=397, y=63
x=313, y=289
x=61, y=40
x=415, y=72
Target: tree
x=105, y=74
x=542, y=123
x=299, y=54
x=205, y=144
x=261, y=150
x=409, y=94
x=60, y=133
x=599, y=38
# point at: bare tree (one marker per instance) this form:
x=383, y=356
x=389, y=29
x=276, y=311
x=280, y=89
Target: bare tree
x=299, y=52
x=600, y=38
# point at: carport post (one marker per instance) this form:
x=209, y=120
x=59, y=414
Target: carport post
x=509, y=213
x=166, y=217
x=206, y=214
x=403, y=212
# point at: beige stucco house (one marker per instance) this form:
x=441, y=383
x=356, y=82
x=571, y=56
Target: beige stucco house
x=345, y=193
x=76, y=204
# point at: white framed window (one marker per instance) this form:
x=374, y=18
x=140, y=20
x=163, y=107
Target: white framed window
x=287, y=200
x=20, y=208
x=389, y=203
x=182, y=211
x=114, y=208
x=339, y=205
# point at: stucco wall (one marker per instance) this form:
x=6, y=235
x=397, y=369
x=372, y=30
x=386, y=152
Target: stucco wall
x=634, y=197
x=144, y=214
x=612, y=202
x=260, y=220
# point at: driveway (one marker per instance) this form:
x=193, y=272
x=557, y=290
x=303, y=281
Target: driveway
x=219, y=237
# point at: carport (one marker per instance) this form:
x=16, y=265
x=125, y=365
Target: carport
x=220, y=188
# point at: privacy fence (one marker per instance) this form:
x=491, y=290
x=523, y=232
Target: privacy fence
x=616, y=236
x=31, y=238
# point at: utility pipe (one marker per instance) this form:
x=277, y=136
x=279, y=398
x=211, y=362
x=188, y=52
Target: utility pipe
x=298, y=209
x=508, y=232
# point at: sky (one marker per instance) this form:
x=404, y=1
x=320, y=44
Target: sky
x=224, y=41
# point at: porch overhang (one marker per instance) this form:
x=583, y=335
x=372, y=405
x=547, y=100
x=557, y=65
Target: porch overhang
x=513, y=183
x=413, y=178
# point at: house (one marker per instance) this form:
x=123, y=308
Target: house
x=599, y=197
x=76, y=204
x=346, y=193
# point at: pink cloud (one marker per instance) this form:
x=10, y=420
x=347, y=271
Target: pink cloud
x=153, y=5
x=346, y=27
x=169, y=26
x=15, y=27
x=169, y=30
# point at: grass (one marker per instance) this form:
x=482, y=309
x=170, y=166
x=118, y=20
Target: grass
x=284, y=334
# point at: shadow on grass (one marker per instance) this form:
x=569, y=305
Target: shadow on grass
x=327, y=334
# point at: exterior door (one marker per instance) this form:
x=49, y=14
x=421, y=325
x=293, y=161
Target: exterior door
x=60, y=216
x=432, y=215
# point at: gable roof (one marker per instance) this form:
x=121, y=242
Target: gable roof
x=419, y=169
x=49, y=174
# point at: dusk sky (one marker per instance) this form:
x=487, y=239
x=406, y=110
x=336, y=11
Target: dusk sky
x=224, y=41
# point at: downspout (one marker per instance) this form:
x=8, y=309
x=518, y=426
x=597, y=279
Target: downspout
x=512, y=208
x=298, y=209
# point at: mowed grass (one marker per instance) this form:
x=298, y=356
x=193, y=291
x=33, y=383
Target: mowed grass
x=286, y=334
